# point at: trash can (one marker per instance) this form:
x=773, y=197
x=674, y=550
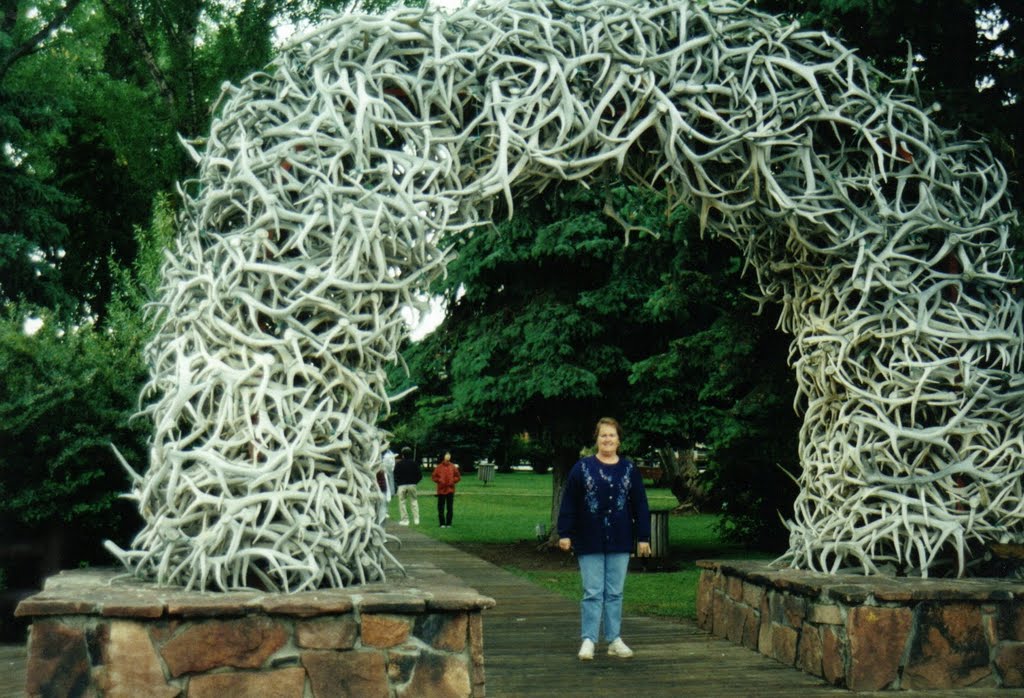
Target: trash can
x=485, y=472
x=659, y=532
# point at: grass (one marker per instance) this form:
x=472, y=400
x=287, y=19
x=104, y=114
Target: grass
x=509, y=508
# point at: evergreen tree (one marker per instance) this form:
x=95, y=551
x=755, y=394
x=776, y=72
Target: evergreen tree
x=560, y=316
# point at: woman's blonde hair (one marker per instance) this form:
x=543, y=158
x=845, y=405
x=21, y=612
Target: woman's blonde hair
x=608, y=421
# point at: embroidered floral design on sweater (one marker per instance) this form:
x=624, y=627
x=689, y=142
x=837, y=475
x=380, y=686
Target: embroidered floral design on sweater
x=609, y=481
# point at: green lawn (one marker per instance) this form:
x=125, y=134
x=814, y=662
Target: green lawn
x=509, y=508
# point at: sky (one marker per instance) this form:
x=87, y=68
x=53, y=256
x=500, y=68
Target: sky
x=427, y=322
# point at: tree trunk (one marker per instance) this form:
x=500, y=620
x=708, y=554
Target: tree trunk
x=682, y=473
x=563, y=460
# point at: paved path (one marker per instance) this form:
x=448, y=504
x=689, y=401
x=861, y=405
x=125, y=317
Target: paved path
x=531, y=638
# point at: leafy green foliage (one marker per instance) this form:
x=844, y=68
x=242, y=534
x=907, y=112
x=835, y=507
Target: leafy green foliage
x=90, y=117
x=63, y=399
x=68, y=393
x=556, y=318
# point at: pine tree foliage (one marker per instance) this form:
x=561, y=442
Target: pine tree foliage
x=561, y=315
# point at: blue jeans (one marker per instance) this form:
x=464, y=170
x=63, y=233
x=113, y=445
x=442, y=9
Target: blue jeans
x=604, y=575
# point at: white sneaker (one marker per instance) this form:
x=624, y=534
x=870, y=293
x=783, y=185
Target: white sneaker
x=618, y=648
x=586, y=652
x=403, y=523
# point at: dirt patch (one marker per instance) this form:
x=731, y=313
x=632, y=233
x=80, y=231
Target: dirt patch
x=525, y=554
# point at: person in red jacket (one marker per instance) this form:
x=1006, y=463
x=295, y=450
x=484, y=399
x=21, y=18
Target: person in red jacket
x=446, y=475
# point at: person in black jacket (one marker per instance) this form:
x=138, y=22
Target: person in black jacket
x=604, y=508
x=407, y=477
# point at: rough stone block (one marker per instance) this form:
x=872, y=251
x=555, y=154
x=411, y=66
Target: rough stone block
x=245, y=643
x=990, y=627
x=400, y=666
x=476, y=639
x=777, y=607
x=795, y=610
x=751, y=627
x=765, y=633
x=752, y=594
x=949, y=649
x=384, y=631
x=833, y=656
x=198, y=604
x=825, y=614
x=395, y=602
x=784, y=641
x=307, y=604
x=719, y=607
x=439, y=676
x=451, y=633
x=162, y=631
x=878, y=637
x=131, y=667
x=809, y=651
x=282, y=683
x=734, y=588
x=442, y=631
x=346, y=674
x=44, y=605
x=96, y=637
x=1010, y=621
x=476, y=653
x=735, y=620
x=1009, y=661
x=327, y=633
x=445, y=598
x=58, y=664
x=705, y=598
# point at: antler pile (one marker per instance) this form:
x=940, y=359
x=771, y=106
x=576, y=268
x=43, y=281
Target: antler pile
x=329, y=183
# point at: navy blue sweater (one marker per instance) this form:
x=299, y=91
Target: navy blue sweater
x=604, y=507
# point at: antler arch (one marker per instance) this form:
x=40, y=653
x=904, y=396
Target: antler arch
x=328, y=184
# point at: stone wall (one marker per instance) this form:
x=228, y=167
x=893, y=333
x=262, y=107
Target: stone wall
x=96, y=634
x=870, y=633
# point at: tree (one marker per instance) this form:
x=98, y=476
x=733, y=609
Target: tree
x=69, y=392
x=560, y=316
x=94, y=95
x=33, y=210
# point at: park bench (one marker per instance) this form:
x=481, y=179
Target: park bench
x=653, y=473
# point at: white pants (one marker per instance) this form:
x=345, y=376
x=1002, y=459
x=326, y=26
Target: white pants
x=408, y=492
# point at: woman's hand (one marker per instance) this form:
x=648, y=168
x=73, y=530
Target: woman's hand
x=643, y=549
x=564, y=544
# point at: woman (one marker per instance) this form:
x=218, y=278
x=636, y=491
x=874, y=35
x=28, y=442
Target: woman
x=604, y=508
x=446, y=475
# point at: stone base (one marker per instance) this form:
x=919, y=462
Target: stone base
x=870, y=633
x=95, y=632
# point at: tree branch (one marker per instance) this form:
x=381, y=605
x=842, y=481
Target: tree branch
x=31, y=45
x=130, y=23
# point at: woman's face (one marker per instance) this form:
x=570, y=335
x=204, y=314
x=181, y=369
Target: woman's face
x=607, y=440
